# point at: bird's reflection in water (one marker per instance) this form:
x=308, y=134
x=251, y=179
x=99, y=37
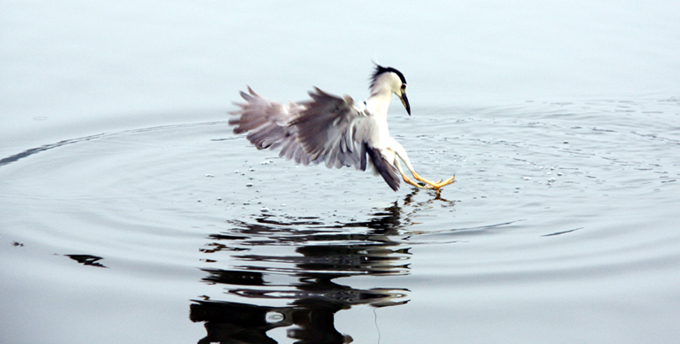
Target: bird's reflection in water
x=299, y=261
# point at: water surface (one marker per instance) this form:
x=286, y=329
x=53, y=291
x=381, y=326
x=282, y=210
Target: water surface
x=131, y=213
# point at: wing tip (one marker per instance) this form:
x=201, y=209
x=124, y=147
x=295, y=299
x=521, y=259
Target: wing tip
x=386, y=170
x=248, y=96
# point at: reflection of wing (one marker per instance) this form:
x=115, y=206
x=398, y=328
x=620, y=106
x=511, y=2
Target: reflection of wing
x=326, y=129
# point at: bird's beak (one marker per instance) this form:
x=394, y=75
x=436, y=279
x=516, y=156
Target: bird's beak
x=404, y=100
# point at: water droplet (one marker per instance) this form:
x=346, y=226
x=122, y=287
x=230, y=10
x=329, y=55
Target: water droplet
x=560, y=173
x=526, y=178
x=264, y=209
x=219, y=198
x=249, y=184
x=274, y=317
x=209, y=175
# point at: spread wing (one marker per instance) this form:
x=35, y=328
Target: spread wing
x=268, y=126
x=326, y=129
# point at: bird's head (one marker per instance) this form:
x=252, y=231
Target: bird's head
x=392, y=80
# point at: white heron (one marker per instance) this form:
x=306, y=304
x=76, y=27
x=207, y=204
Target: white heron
x=334, y=130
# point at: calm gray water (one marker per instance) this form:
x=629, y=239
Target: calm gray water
x=131, y=214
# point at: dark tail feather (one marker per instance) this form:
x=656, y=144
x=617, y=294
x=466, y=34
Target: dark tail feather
x=386, y=170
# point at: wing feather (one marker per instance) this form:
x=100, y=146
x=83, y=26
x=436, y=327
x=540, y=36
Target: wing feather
x=268, y=125
x=384, y=168
x=332, y=129
x=325, y=129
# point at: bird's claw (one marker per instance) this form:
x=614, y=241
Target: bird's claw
x=438, y=185
x=426, y=184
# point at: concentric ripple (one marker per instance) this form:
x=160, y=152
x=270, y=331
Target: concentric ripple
x=569, y=204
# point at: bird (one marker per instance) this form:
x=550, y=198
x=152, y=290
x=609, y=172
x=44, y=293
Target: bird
x=334, y=130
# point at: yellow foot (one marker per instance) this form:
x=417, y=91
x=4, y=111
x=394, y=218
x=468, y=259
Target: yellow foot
x=409, y=181
x=438, y=185
x=426, y=184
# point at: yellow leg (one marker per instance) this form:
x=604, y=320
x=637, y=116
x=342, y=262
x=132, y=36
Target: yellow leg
x=409, y=181
x=438, y=185
x=401, y=154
